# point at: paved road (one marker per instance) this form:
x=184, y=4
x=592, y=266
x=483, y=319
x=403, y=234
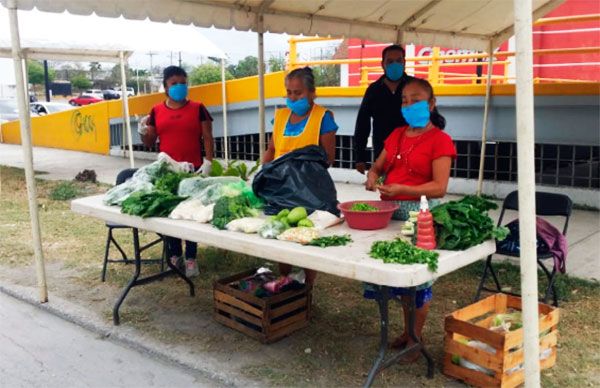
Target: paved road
x=38, y=349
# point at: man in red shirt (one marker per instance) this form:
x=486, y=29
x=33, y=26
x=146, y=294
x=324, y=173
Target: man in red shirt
x=180, y=125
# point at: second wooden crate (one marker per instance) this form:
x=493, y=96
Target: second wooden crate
x=267, y=319
x=503, y=366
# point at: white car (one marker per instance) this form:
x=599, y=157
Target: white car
x=130, y=91
x=43, y=108
x=94, y=93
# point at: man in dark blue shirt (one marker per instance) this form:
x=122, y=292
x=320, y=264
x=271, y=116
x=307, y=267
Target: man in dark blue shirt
x=382, y=103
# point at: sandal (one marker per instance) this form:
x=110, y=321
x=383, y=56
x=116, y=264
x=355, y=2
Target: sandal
x=400, y=342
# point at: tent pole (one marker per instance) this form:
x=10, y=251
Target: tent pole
x=224, y=98
x=261, y=93
x=488, y=89
x=125, y=99
x=526, y=186
x=25, y=125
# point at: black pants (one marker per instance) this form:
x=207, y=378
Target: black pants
x=174, y=248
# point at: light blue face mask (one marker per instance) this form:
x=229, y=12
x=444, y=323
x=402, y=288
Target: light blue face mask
x=178, y=92
x=299, y=107
x=417, y=115
x=394, y=71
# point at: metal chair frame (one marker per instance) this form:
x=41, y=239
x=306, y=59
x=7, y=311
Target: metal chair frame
x=547, y=204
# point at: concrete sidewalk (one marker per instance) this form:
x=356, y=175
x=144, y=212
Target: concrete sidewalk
x=583, y=234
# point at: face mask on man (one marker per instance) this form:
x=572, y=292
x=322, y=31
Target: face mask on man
x=394, y=71
x=178, y=92
x=417, y=115
x=299, y=107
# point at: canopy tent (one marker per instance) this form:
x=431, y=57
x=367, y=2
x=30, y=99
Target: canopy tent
x=479, y=25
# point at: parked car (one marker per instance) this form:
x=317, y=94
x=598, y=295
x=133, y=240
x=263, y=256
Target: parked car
x=130, y=91
x=110, y=94
x=43, y=108
x=84, y=99
x=9, y=110
x=95, y=93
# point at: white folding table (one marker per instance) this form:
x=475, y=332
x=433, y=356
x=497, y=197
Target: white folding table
x=351, y=261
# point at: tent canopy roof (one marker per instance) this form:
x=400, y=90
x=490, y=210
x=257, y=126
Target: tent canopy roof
x=93, y=38
x=448, y=23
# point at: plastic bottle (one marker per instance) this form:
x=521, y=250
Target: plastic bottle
x=425, y=229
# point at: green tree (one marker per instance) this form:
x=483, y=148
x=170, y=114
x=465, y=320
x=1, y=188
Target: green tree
x=276, y=64
x=327, y=75
x=207, y=73
x=95, y=67
x=80, y=82
x=35, y=73
x=247, y=67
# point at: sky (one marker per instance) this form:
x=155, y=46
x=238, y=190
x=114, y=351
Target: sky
x=236, y=44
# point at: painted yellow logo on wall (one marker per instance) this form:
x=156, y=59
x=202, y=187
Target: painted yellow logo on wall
x=83, y=124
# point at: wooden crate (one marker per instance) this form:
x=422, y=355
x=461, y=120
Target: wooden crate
x=266, y=319
x=472, y=323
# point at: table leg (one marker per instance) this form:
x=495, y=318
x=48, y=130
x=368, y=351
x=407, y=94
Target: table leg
x=381, y=362
x=383, y=302
x=412, y=306
x=136, y=281
x=133, y=281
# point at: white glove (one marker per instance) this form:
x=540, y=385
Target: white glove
x=143, y=126
x=206, y=167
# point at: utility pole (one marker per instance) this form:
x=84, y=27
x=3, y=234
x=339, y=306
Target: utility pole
x=46, y=81
x=151, y=54
x=180, y=59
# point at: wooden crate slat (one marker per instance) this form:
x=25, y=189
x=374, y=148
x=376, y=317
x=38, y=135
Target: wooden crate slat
x=238, y=313
x=457, y=328
x=287, y=330
x=286, y=308
x=469, y=376
x=245, y=296
x=475, y=355
x=238, y=326
x=288, y=321
x=234, y=308
x=476, y=309
x=285, y=296
x=475, y=332
x=228, y=299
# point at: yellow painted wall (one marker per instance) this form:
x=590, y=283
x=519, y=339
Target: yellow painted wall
x=84, y=129
x=87, y=128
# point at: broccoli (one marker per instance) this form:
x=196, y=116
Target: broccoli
x=228, y=209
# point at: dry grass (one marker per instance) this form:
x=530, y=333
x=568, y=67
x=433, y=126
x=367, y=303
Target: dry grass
x=342, y=337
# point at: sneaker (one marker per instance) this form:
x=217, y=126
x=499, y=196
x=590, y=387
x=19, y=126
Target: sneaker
x=177, y=262
x=191, y=268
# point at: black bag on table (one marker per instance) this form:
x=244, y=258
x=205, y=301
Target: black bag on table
x=299, y=178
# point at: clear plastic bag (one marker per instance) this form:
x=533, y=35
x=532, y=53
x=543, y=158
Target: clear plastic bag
x=120, y=193
x=193, y=187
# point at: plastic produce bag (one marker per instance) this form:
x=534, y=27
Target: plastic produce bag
x=299, y=178
x=272, y=229
x=192, y=209
x=323, y=220
x=300, y=235
x=246, y=224
x=194, y=187
x=120, y=193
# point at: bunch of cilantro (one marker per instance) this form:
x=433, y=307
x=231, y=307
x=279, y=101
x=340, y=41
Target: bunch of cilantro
x=465, y=223
x=401, y=252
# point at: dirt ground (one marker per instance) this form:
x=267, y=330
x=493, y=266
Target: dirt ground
x=338, y=347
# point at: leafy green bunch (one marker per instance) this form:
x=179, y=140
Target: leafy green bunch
x=465, y=223
x=233, y=168
x=228, y=209
x=150, y=204
x=401, y=252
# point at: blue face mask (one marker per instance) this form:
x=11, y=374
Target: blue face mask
x=394, y=71
x=299, y=107
x=417, y=115
x=178, y=92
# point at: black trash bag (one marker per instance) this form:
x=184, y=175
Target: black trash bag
x=299, y=178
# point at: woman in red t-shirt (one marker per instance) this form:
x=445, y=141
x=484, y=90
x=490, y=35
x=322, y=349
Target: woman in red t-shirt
x=415, y=161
